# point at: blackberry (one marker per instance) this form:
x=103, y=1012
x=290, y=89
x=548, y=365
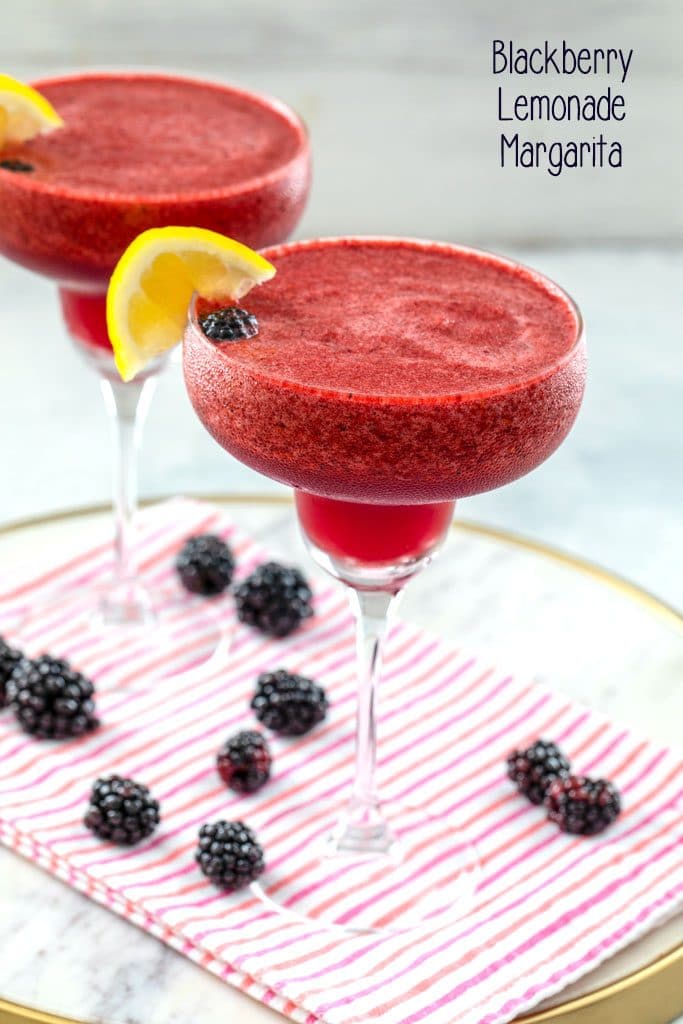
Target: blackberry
x=18, y=166
x=532, y=770
x=244, y=761
x=205, y=565
x=228, y=854
x=121, y=810
x=50, y=699
x=288, y=704
x=229, y=324
x=274, y=599
x=9, y=659
x=581, y=805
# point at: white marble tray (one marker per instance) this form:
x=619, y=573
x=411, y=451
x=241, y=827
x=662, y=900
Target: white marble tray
x=621, y=651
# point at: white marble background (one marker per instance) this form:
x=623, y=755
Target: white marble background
x=401, y=106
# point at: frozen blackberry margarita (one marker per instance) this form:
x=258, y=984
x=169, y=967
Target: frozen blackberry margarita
x=387, y=379
x=137, y=151
x=116, y=154
x=383, y=379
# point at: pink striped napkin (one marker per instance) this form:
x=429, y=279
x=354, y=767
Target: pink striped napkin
x=549, y=907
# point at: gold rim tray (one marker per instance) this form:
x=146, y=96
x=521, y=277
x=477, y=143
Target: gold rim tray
x=653, y=994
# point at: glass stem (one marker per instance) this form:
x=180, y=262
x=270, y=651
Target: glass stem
x=127, y=405
x=363, y=829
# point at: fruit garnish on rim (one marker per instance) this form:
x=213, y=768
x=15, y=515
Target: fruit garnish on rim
x=24, y=113
x=154, y=281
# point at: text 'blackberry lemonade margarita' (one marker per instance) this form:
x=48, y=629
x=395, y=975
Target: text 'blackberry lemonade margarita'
x=388, y=378
x=137, y=151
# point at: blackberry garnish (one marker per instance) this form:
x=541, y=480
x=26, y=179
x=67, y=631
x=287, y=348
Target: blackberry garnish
x=288, y=704
x=532, y=770
x=228, y=854
x=244, y=761
x=9, y=659
x=50, y=699
x=229, y=324
x=18, y=166
x=205, y=565
x=274, y=599
x=581, y=805
x=121, y=810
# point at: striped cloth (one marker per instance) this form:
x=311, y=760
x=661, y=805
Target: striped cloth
x=549, y=907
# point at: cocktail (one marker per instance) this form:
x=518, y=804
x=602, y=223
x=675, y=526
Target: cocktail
x=388, y=378
x=137, y=151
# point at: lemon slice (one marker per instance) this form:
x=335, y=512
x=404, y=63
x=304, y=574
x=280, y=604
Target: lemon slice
x=24, y=113
x=153, y=283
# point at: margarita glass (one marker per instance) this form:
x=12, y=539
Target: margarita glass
x=138, y=151
x=389, y=378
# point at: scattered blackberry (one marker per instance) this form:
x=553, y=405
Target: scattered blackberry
x=288, y=704
x=205, y=564
x=229, y=324
x=274, y=599
x=121, y=810
x=50, y=699
x=228, y=854
x=582, y=806
x=532, y=770
x=244, y=761
x=18, y=166
x=9, y=659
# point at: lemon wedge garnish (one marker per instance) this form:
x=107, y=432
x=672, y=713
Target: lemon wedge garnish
x=153, y=283
x=24, y=113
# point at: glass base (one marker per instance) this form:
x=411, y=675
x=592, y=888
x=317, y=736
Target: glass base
x=124, y=637
x=417, y=872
